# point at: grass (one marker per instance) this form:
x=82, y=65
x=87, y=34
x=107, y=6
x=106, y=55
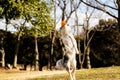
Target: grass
x=108, y=73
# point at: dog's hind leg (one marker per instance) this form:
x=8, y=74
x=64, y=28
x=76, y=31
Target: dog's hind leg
x=68, y=70
x=73, y=70
x=73, y=74
x=70, y=74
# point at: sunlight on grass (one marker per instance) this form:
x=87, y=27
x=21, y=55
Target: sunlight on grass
x=108, y=73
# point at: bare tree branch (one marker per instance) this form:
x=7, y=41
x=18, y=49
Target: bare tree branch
x=105, y=5
x=64, y=7
x=72, y=10
x=98, y=8
x=115, y=4
x=91, y=14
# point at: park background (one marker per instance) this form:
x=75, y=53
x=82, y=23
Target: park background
x=29, y=32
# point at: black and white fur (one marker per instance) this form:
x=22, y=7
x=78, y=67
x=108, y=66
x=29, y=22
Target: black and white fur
x=68, y=61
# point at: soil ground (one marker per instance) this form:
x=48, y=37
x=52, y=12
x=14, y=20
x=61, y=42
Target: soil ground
x=23, y=75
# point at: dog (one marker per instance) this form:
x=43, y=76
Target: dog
x=68, y=61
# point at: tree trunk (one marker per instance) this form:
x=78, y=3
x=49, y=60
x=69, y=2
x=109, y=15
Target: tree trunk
x=88, y=51
x=79, y=51
x=88, y=58
x=16, y=51
x=51, y=51
x=118, y=1
x=81, y=65
x=3, y=57
x=36, y=55
x=3, y=53
x=15, y=57
x=78, y=39
x=119, y=24
x=52, y=38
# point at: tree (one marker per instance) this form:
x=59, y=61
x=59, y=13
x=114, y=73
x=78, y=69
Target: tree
x=52, y=35
x=87, y=37
x=112, y=10
x=105, y=44
x=84, y=55
x=2, y=51
x=42, y=25
x=19, y=34
x=27, y=11
x=8, y=11
x=39, y=18
x=23, y=12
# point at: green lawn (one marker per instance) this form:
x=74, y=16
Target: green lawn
x=108, y=73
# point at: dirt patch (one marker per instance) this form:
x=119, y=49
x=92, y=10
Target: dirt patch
x=23, y=75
